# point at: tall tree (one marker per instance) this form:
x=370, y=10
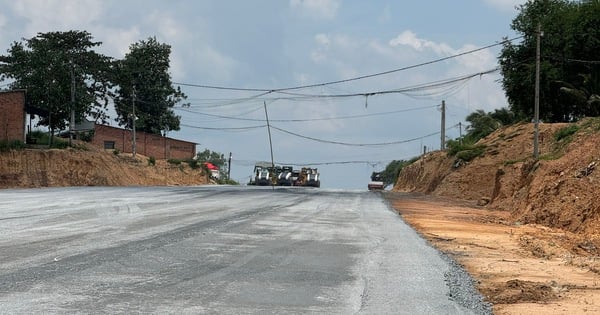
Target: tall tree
x=481, y=124
x=570, y=73
x=50, y=66
x=144, y=82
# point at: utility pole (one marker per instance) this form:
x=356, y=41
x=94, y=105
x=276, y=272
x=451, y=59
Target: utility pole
x=72, y=122
x=536, y=112
x=443, y=130
x=460, y=132
x=133, y=122
x=229, y=167
x=270, y=142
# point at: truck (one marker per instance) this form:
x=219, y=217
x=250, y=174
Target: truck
x=376, y=182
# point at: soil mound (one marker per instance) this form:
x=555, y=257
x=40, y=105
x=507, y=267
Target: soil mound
x=87, y=165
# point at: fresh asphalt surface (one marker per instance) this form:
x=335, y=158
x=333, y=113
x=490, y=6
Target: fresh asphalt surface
x=218, y=250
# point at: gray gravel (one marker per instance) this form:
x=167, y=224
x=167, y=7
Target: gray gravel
x=462, y=288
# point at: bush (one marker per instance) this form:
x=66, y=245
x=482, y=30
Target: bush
x=465, y=152
x=174, y=161
x=194, y=164
x=6, y=146
x=116, y=152
x=566, y=133
x=151, y=161
x=87, y=136
x=469, y=154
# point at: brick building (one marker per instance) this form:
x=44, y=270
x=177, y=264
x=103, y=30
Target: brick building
x=12, y=115
x=157, y=146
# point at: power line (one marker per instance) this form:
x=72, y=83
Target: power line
x=266, y=91
x=353, y=144
x=308, y=119
x=225, y=128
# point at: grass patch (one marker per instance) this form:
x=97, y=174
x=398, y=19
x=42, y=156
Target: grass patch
x=566, y=133
x=465, y=152
x=471, y=153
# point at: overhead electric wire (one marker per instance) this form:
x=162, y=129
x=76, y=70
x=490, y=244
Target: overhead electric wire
x=224, y=128
x=406, y=90
x=266, y=91
x=308, y=119
x=353, y=144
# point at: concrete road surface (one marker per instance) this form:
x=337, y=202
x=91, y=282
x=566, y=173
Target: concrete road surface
x=219, y=250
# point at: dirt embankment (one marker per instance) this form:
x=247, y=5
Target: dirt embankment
x=559, y=191
x=89, y=166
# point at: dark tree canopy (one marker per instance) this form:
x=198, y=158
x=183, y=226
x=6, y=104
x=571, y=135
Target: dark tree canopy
x=570, y=71
x=144, y=72
x=48, y=65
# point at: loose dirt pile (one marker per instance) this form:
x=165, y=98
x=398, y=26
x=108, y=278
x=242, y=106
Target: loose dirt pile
x=89, y=166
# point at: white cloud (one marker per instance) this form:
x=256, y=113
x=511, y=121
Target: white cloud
x=117, y=44
x=56, y=15
x=409, y=38
x=325, y=9
x=216, y=66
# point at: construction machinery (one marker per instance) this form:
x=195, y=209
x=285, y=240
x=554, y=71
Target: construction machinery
x=262, y=174
x=311, y=177
x=284, y=178
x=266, y=174
x=376, y=182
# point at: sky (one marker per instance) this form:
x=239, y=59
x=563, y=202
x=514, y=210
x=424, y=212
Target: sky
x=386, y=62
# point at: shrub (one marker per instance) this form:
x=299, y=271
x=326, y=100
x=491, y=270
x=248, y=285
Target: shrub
x=174, y=161
x=116, y=152
x=6, y=146
x=566, y=133
x=194, y=164
x=471, y=153
x=151, y=161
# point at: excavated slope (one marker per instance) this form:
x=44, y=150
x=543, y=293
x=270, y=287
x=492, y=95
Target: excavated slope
x=89, y=167
x=560, y=190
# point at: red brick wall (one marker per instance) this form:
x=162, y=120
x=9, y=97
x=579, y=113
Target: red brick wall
x=146, y=144
x=12, y=115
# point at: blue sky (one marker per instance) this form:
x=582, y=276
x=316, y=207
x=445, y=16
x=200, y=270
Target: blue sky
x=273, y=44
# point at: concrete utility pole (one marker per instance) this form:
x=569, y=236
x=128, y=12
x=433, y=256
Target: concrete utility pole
x=270, y=141
x=229, y=167
x=536, y=112
x=443, y=131
x=72, y=122
x=133, y=122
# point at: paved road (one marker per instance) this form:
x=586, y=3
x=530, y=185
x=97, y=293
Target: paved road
x=215, y=250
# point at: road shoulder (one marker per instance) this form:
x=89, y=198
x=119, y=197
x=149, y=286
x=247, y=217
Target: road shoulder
x=521, y=269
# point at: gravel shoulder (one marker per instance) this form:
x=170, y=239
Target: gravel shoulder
x=519, y=268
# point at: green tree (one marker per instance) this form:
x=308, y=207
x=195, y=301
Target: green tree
x=569, y=72
x=481, y=124
x=392, y=170
x=49, y=65
x=144, y=78
x=216, y=158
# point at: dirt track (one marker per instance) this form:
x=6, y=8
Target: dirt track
x=521, y=269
